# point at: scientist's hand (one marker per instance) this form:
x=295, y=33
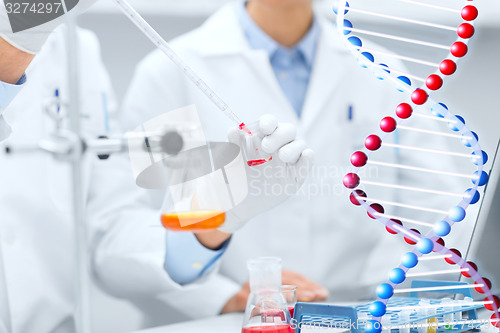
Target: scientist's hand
x=307, y=291
x=27, y=26
x=273, y=182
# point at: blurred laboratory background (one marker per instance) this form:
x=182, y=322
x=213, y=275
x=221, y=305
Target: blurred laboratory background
x=473, y=92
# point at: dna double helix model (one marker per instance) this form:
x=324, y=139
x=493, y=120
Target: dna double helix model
x=417, y=56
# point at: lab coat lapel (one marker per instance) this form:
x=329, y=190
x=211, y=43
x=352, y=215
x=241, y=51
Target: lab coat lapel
x=323, y=80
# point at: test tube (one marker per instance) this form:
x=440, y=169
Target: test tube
x=421, y=313
x=457, y=311
x=404, y=319
x=448, y=318
x=432, y=322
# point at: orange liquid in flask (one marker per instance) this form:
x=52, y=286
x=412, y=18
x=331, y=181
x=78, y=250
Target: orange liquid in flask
x=193, y=221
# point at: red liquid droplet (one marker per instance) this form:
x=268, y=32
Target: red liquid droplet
x=256, y=162
x=290, y=309
x=244, y=128
x=259, y=161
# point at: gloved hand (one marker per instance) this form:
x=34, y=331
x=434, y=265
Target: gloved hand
x=273, y=182
x=27, y=26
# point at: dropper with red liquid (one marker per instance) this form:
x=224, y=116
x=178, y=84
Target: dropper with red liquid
x=255, y=150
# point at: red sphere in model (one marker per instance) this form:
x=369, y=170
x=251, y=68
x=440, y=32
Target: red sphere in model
x=378, y=208
x=495, y=304
x=404, y=110
x=354, y=197
x=359, y=159
x=351, y=180
x=392, y=231
x=495, y=321
x=373, y=142
x=409, y=239
x=458, y=49
x=480, y=289
x=451, y=261
x=440, y=241
x=465, y=30
x=388, y=124
x=419, y=96
x=469, y=13
x=473, y=265
x=434, y=82
x=447, y=67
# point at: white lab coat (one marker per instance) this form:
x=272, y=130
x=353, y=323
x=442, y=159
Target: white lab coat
x=36, y=227
x=37, y=235
x=317, y=233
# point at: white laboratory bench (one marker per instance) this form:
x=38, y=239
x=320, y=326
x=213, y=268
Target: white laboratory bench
x=231, y=323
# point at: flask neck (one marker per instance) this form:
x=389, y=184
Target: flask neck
x=265, y=275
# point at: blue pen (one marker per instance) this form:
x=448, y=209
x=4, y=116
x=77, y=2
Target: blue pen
x=349, y=113
x=56, y=94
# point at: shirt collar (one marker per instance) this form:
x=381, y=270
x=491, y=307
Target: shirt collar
x=259, y=40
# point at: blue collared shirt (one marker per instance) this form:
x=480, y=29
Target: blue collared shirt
x=292, y=66
x=187, y=260
x=9, y=91
x=7, y=94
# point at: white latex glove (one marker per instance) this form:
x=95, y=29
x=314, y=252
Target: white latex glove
x=27, y=25
x=273, y=182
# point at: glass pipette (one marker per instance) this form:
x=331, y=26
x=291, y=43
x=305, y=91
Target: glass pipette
x=161, y=44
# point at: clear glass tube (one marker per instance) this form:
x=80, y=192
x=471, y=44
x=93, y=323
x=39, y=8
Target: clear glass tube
x=290, y=294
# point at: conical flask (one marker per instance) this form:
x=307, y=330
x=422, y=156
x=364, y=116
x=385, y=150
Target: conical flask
x=266, y=309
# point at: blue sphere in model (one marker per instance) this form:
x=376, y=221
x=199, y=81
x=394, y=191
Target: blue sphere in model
x=479, y=159
x=439, y=110
x=348, y=25
x=409, y=260
x=365, y=58
x=373, y=326
x=473, y=198
x=377, y=309
x=335, y=7
x=456, y=214
x=385, y=291
x=442, y=228
x=405, y=80
x=355, y=41
x=469, y=139
x=480, y=179
x=397, y=276
x=425, y=245
x=457, y=124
